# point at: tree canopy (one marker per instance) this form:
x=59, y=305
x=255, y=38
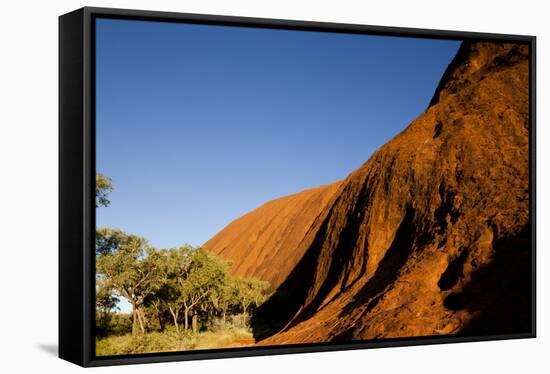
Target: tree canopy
x=103, y=187
x=191, y=284
x=187, y=286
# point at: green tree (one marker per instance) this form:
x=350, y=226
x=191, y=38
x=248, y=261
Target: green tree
x=192, y=278
x=132, y=269
x=175, y=268
x=250, y=293
x=224, y=297
x=207, y=274
x=108, y=240
x=154, y=305
x=103, y=187
x=106, y=302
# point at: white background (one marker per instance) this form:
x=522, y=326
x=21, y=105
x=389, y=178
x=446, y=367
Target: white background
x=28, y=184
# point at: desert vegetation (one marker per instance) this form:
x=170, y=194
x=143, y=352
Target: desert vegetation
x=181, y=298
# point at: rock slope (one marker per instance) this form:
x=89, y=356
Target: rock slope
x=265, y=242
x=430, y=236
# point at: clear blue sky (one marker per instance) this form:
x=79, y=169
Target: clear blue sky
x=198, y=125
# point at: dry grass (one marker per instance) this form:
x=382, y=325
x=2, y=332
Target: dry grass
x=170, y=341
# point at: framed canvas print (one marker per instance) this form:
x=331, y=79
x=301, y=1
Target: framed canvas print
x=238, y=186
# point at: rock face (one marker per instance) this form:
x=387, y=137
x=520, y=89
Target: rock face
x=264, y=243
x=430, y=236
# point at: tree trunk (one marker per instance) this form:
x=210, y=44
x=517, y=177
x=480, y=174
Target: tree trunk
x=223, y=315
x=141, y=319
x=186, y=318
x=195, y=323
x=161, y=322
x=134, y=320
x=175, y=317
x=158, y=315
x=245, y=316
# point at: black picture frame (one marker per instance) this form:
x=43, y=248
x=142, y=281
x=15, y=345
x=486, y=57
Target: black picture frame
x=77, y=181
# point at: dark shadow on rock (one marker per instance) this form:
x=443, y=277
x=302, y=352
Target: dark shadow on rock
x=281, y=309
x=387, y=270
x=500, y=291
x=285, y=302
x=50, y=349
x=342, y=254
x=454, y=271
x=386, y=273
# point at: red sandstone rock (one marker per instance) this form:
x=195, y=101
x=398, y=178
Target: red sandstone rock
x=430, y=236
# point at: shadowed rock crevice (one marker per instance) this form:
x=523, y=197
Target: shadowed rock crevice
x=341, y=255
x=274, y=314
x=437, y=130
x=500, y=292
x=281, y=310
x=388, y=269
x=454, y=271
